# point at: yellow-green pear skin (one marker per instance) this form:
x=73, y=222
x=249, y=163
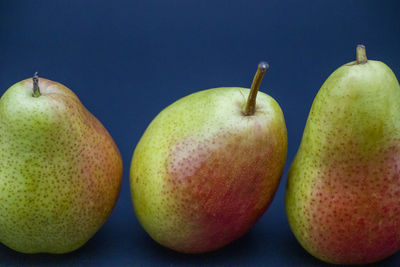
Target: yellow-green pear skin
x=203, y=172
x=343, y=190
x=60, y=170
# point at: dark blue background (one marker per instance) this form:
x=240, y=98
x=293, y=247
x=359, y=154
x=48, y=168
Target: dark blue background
x=127, y=60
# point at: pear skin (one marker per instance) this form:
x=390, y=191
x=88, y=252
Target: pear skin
x=343, y=190
x=203, y=172
x=60, y=170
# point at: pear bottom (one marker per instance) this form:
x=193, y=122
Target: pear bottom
x=347, y=221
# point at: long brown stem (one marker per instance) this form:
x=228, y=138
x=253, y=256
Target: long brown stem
x=251, y=100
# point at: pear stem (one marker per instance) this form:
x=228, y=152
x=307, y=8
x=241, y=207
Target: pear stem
x=251, y=100
x=36, y=89
x=361, y=54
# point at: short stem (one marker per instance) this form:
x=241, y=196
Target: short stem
x=361, y=55
x=36, y=89
x=251, y=100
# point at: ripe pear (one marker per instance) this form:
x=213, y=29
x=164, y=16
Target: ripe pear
x=207, y=167
x=60, y=170
x=343, y=190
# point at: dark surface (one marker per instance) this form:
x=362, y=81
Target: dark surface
x=127, y=60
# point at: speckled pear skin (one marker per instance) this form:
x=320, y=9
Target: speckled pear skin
x=203, y=173
x=343, y=190
x=60, y=171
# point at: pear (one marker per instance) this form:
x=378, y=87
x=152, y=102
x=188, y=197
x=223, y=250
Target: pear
x=207, y=167
x=60, y=170
x=343, y=190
